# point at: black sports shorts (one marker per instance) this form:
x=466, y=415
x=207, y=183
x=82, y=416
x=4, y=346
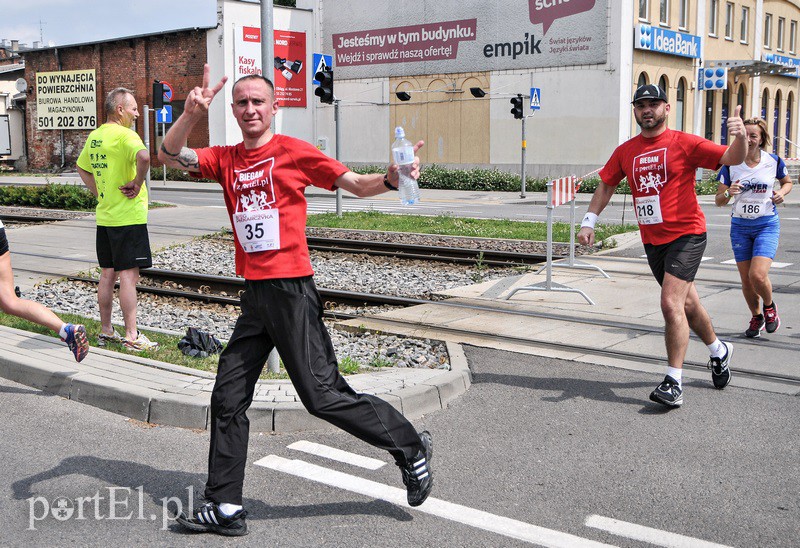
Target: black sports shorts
x=680, y=257
x=3, y=241
x=123, y=247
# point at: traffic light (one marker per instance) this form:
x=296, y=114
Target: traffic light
x=325, y=89
x=517, y=110
x=158, y=95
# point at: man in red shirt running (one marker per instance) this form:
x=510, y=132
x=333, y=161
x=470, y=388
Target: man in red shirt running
x=264, y=179
x=660, y=166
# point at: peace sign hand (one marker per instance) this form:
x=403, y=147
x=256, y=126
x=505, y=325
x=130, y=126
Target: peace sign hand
x=199, y=99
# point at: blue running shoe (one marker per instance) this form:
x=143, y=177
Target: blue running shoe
x=77, y=341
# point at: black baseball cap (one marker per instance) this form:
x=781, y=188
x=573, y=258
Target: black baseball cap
x=649, y=91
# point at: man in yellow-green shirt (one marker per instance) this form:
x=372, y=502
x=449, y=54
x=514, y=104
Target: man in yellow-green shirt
x=113, y=165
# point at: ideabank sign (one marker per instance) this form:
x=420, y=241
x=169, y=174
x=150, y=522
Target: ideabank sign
x=790, y=62
x=545, y=12
x=667, y=41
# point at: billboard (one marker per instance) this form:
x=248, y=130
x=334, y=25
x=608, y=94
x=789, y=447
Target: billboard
x=66, y=99
x=435, y=37
x=289, y=74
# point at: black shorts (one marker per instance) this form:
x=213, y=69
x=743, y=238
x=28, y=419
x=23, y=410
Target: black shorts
x=123, y=247
x=680, y=257
x=3, y=241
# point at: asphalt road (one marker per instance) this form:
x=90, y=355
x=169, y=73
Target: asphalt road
x=538, y=450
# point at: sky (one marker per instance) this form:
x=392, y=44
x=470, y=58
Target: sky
x=66, y=22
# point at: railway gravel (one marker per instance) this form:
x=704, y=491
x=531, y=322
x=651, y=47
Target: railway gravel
x=384, y=275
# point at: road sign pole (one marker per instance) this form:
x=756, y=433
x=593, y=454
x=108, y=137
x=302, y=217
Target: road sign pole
x=522, y=168
x=163, y=133
x=338, y=155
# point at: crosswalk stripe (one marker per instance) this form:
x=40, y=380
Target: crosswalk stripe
x=336, y=454
x=648, y=534
x=461, y=514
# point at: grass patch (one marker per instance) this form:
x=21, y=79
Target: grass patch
x=456, y=226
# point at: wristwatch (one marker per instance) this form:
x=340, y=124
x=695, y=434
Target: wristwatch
x=387, y=184
x=727, y=193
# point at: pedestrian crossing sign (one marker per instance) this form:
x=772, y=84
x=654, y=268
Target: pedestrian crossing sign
x=320, y=61
x=535, y=96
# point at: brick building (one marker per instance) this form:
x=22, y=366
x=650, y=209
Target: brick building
x=132, y=62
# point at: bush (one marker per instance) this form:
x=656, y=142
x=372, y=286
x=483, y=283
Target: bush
x=49, y=196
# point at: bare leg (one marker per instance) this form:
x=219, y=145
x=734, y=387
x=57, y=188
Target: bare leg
x=759, y=279
x=699, y=320
x=674, y=294
x=23, y=308
x=127, y=300
x=105, y=298
x=749, y=292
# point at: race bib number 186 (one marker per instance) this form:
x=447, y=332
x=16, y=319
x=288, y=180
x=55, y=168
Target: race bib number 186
x=258, y=230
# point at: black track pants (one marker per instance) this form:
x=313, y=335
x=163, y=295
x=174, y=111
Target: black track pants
x=287, y=313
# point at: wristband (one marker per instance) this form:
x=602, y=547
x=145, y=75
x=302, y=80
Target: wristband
x=387, y=184
x=589, y=220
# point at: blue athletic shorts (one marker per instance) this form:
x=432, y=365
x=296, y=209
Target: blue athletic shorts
x=759, y=239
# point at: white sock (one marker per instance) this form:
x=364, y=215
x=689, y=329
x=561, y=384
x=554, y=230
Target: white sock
x=63, y=331
x=717, y=349
x=229, y=509
x=675, y=373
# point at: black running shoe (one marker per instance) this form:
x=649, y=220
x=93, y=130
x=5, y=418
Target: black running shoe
x=417, y=473
x=773, y=321
x=756, y=325
x=208, y=519
x=668, y=393
x=720, y=372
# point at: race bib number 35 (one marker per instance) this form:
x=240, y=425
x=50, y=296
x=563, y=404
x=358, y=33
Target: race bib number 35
x=258, y=230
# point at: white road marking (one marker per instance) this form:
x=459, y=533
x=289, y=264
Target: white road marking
x=775, y=264
x=648, y=534
x=704, y=258
x=461, y=514
x=337, y=454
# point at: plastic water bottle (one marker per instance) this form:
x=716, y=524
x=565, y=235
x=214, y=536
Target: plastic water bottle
x=403, y=154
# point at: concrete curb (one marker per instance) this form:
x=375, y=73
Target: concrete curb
x=145, y=403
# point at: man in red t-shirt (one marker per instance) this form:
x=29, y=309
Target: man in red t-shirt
x=264, y=179
x=660, y=165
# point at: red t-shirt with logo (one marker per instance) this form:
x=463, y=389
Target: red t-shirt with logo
x=661, y=174
x=268, y=184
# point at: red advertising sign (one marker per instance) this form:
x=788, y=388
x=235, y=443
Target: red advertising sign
x=547, y=11
x=289, y=75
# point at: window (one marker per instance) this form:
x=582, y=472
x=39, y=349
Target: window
x=642, y=81
x=723, y=133
x=680, y=105
x=776, y=136
x=745, y=25
x=741, y=99
x=713, y=14
x=789, y=102
x=792, y=36
x=663, y=14
x=663, y=84
x=644, y=10
x=729, y=21
x=710, y=115
x=768, y=30
x=764, y=103
x=683, y=14
x=781, y=26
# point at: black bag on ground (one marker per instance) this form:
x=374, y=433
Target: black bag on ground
x=199, y=344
